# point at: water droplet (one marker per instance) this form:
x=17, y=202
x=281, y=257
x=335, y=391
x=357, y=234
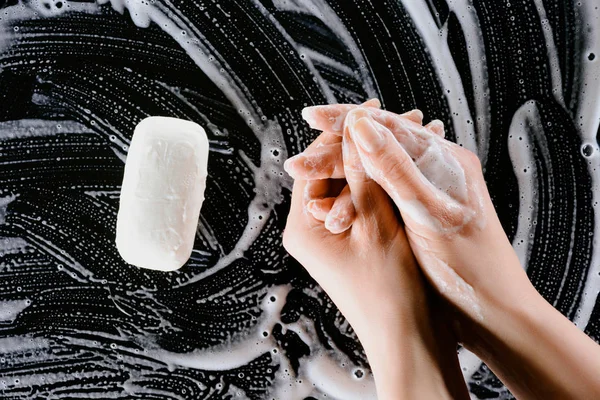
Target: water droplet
x=587, y=150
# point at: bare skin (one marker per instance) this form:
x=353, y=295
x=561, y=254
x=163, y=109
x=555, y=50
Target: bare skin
x=371, y=274
x=460, y=245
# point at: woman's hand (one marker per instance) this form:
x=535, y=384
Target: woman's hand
x=372, y=276
x=440, y=191
x=459, y=242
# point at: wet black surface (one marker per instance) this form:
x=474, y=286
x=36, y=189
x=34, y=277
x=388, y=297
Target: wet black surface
x=75, y=79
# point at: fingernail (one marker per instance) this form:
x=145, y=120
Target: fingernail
x=337, y=225
x=368, y=135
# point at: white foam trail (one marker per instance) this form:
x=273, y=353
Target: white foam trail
x=10, y=245
x=528, y=115
x=589, y=116
x=469, y=22
x=437, y=46
x=317, y=370
x=4, y=202
x=74, y=268
x=19, y=344
x=521, y=155
x=555, y=73
x=325, y=89
x=328, y=377
x=322, y=10
x=323, y=59
x=10, y=309
x=469, y=363
x=38, y=127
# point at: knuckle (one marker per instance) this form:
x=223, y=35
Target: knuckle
x=471, y=158
x=396, y=168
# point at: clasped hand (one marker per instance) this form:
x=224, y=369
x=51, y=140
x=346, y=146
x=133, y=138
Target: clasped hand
x=381, y=204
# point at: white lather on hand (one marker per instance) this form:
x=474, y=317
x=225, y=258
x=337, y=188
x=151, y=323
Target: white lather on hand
x=162, y=193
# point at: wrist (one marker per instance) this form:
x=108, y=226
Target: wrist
x=414, y=359
x=410, y=366
x=526, y=339
x=508, y=312
x=506, y=300
x=500, y=283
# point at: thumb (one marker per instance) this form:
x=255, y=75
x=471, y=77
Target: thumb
x=386, y=162
x=372, y=204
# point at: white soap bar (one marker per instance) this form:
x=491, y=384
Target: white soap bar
x=162, y=193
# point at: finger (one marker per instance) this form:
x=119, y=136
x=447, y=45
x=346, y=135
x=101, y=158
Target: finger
x=322, y=188
x=373, y=207
x=300, y=220
x=319, y=208
x=297, y=216
x=325, y=161
x=413, y=137
x=301, y=227
x=316, y=189
x=324, y=139
x=331, y=117
x=386, y=161
x=328, y=117
x=436, y=127
x=340, y=217
x=414, y=115
x=353, y=167
x=375, y=103
x=321, y=162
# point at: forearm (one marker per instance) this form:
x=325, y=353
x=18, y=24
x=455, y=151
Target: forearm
x=535, y=350
x=414, y=361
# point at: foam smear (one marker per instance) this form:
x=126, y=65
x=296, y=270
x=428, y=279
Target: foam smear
x=589, y=117
x=520, y=150
x=319, y=371
x=447, y=72
x=443, y=170
x=10, y=309
x=440, y=170
x=322, y=372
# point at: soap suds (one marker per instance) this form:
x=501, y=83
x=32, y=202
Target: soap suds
x=439, y=170
x=451, y=285
x=10, y=309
